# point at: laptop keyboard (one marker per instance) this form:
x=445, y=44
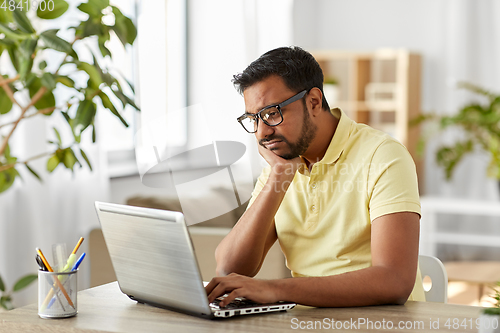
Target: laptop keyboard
x=237, y=303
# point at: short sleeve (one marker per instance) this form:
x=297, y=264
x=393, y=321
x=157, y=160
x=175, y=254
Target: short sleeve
x=392, y=181
x=259, y=185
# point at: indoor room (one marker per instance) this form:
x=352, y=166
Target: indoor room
x=132, y=102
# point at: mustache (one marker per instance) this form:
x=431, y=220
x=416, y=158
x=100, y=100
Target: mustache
x=271, y=138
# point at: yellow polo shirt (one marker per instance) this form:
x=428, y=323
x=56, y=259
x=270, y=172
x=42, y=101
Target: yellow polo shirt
x=324, y=221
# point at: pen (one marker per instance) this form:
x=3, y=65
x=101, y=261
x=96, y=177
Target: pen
x=55, y=279
x=40, y=263
x=43, y=268
x=75, y=267
x=78, y=262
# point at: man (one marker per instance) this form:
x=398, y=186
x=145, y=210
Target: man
x=340, y=197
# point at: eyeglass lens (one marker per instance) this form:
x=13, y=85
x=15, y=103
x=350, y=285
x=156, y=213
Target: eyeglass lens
x=270, y=116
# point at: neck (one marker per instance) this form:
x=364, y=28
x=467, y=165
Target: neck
x=327, y=125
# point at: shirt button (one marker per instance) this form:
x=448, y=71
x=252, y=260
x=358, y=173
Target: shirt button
x=313, y=185
x=313, y=208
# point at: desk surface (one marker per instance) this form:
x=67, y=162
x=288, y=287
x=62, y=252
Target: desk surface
x=105, y=308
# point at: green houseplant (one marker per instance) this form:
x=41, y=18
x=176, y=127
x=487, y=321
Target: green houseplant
x=495, y=310
x=6, y=295
x=489, y=321
x=480, y=122
x=42, y=64
x=36, y=73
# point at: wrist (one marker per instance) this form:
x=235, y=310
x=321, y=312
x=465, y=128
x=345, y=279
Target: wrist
x=279, y=182
x=278, y=289
x=286, y=169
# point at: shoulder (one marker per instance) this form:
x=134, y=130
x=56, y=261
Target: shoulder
x=372, y=143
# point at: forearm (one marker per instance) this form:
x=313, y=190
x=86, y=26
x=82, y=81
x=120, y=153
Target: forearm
x=244, y=248
x=369, y=286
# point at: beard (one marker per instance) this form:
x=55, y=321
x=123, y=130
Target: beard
x=307, y=134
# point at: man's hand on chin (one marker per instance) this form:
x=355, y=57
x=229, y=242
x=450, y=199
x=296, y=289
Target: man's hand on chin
x=278, y=163
x=261, y=291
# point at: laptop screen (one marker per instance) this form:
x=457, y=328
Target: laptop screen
x=153, y=257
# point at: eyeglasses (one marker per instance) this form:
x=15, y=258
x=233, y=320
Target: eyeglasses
x=271, y=115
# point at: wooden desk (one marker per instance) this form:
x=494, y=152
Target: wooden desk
x=105, y=308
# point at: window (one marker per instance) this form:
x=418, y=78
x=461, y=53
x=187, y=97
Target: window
x=157, y=67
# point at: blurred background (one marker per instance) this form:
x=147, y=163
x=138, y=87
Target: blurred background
x=386, y=63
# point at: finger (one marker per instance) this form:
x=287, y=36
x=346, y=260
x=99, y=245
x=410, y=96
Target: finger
x=211, y=285
x=225, y=286
x=232, y=295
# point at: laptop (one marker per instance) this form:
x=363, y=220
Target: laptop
x=155, y=263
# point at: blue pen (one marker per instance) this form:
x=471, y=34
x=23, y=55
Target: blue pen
x=75, y=267
x=78, y=262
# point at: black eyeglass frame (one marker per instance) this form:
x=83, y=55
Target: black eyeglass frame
x=258, y=115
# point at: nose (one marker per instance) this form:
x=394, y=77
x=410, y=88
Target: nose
x=264, y=130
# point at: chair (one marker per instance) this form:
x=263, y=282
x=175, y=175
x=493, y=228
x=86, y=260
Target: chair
x=434, y=268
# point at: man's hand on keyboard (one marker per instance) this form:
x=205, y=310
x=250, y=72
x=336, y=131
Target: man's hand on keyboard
x=235, y=285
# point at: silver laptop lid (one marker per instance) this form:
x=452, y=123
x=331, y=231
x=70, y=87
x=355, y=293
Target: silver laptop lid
x=152, y=256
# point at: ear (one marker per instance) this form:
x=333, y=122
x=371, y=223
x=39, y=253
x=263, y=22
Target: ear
x=315, y=100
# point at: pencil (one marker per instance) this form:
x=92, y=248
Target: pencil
x=77, y=245
x=61, y=287
x=72, y=257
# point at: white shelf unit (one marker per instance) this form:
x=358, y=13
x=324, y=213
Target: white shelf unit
x=381, y=88
x=430, y=236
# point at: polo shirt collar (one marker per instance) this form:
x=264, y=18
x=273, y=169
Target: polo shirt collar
x=339, y=139
x=338, y=142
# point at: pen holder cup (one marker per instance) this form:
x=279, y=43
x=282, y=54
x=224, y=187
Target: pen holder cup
x=57, y=294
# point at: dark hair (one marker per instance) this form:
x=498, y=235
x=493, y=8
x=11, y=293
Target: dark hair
x=295, y=66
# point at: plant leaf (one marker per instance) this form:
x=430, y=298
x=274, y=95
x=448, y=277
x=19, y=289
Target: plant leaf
x=51, y=40
x=88, y=9
x=106, y=102
x=57, y=135
x=47, y=99
x=24, y=282
x=52, y=163
x=125, y=99
x=69, y=159
x=102, y=46
x=5, y=102
x=33, y=172
x=23, y=23
x=60, y=7
x=84, y=116
x=9, y=33
x=13, y=54
x=95, y=78
x=48, y=81
x=26, y=51
x=6, y=42
x=6, y=302
x=91, y=28
x=68, y=82
x=99, y=4
x=86, y=158
x=5, y=16
x=124, y=27
x=42, y=65
x=2, y=285
x=7, y=178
